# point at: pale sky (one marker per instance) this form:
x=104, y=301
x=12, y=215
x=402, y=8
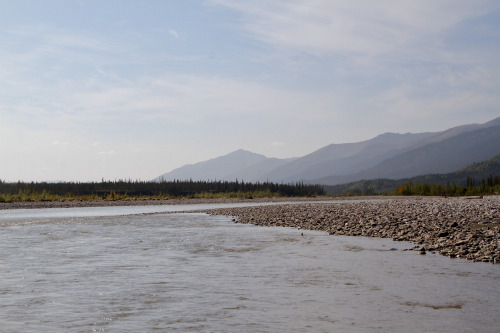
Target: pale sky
x=118, y=89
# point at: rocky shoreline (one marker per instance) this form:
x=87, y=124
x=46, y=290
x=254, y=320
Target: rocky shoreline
x=455, y=227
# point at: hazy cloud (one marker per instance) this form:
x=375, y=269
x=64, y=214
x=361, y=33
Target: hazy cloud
x=361, y=27
x=59, y=143
x=109, y=152
x=173, y=33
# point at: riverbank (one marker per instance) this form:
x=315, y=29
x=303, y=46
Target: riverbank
x=456, y=227
x=148, y=202
x=463, y=227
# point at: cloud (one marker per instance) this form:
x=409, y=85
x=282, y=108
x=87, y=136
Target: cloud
x=182, y=98
x=109, y=152
x=34, y=44
x=368, y=28
x=404, y=58
x=174, y=33
x=59, y=143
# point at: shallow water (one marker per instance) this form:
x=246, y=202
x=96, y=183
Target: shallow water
x=200, y=273
x=31, y=215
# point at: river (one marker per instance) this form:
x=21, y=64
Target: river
x=124, y=269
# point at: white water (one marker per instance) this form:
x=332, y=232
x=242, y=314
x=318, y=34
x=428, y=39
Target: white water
x=198, y=273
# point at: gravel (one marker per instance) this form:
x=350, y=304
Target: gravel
x=465, y=227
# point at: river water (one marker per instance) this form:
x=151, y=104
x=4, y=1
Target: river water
x=99, y=269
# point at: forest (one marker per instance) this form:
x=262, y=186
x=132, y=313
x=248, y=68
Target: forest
x=490, y=185
x=124, y=189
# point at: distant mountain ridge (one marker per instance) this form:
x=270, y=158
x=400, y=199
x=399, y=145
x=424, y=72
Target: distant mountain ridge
x=341, y=159
x=240, y=164
x=476, y=172
x=389, y=155
x=444, y=156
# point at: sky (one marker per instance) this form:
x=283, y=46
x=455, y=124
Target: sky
x=123, y=89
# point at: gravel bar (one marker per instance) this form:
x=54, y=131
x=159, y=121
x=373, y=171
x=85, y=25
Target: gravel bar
x=464, y=227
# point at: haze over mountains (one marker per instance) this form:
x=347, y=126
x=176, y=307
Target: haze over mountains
x=473, y=174
x=389, y=155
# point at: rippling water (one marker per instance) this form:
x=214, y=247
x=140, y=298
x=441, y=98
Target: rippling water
x=200, y=273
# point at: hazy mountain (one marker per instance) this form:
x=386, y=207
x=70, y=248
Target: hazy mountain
x=240, y=164
x=439, y=136
x=389, y=155
x=476, y=171
x=341, y=159
x=481, y=169
x=329, y=163
x=443, y=156
x=256, y=172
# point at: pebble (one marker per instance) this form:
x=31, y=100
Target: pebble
x=454, y=227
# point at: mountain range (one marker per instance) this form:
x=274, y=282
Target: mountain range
x=474, y=173
x=389, y=155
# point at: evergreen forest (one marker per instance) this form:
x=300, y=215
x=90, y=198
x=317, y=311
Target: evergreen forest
x=121, y=189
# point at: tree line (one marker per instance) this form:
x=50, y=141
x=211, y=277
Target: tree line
x=489, y=185
x=177, y=188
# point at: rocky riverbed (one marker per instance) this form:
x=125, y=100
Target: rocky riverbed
x=455, y=227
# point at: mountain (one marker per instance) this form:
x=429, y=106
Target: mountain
x=255, y=172
x=337, y=163
x=341, y=159
x=482, y=169
x=476, y=172
x=240, y=164
x=461, y=129
x=389, y=155
x=443, y=156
